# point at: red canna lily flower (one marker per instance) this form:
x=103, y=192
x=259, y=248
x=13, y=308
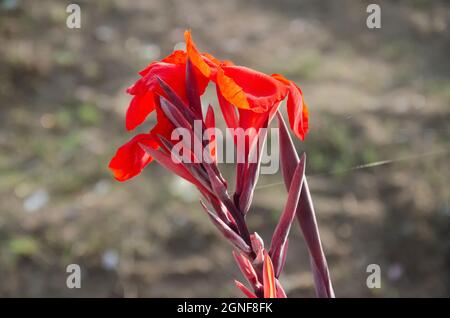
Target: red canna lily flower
x=172, y=70
x=146, y=99
x=146, y=91
x=172, y=88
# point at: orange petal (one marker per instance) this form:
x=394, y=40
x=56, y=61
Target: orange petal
x=195, y=56
x=270, y=290
x=231, y=91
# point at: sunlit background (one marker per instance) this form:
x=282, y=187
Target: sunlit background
x=373, y=95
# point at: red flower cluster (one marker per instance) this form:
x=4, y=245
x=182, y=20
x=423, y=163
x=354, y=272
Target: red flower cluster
x=247, y=98
x=172, y=88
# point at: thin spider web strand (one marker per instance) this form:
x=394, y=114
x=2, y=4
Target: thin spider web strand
x=366, y=166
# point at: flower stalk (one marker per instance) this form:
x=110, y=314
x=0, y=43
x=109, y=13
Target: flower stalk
x=248, y=99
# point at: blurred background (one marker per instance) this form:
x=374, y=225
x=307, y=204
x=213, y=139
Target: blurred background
x=373, y=95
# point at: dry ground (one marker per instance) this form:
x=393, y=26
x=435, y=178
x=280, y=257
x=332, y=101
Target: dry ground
x=373, y=95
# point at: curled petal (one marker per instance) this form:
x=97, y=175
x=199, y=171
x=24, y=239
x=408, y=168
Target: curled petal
x=296, y=108
x=176, y=57
x=297, y=112
x=231, y=91
x=146, y=89
x=140, y=107
x=249, y=89
x=130, y=158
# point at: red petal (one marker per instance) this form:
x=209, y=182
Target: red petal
x=140, y=107
x=163, y=125
x=296, y=107
x=172, y=74
x=147, y=69
x=297, y=112
x=228, y=110
x=249, y=119
x=171, y=70
x=177, y=57
x=262, y=91
x=130, y=159
x=167, y=162
x=231, y=91
x=145, y=89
